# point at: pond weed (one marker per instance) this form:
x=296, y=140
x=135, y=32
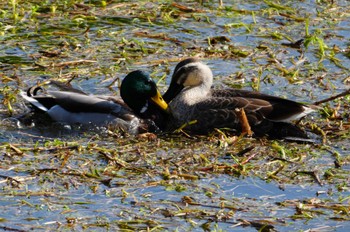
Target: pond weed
x=76, y=179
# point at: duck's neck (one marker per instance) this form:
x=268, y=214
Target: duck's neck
x=193, y=94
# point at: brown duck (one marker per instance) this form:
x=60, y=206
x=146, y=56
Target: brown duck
x=194, y=103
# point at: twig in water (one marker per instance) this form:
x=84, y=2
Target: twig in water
x=10, y=178
x=347, y=92
x=246, y=130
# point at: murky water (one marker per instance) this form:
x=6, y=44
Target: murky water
x=62, y=189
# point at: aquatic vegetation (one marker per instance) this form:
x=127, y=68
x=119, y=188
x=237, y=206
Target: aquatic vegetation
x=68, y=177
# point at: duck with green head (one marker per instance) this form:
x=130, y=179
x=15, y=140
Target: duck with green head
x=138, y=92
x=191, y=99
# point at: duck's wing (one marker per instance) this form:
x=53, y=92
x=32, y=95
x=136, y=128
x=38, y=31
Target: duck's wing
x=208, y=120
x=271, y=107
x=221, y=113
x=257, y=110
x=76, y=102
x=205, y=120
x=229, y=92
x=114, y=99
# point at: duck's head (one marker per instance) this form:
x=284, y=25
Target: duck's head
x=189, y=73
x=139, y=92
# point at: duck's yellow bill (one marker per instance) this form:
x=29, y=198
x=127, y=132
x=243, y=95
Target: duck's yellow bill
x=157, y=99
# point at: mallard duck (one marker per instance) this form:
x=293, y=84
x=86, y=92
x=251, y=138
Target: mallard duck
x=138, y=91
x=191, y=99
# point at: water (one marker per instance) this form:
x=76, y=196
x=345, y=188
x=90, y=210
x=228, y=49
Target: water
x=70, y=183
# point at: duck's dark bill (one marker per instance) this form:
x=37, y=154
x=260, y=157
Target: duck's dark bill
x=173, y=90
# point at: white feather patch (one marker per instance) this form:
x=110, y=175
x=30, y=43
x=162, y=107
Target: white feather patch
x=307, y=110
x=33, y=101
x=144, y=108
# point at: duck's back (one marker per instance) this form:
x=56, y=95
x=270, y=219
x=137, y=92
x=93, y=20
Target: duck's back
x=270, y=107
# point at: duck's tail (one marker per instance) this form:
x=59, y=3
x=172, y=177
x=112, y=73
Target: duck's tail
x=29, y=96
